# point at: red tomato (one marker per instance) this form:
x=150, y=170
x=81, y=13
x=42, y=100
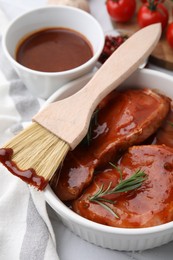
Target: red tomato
x=146, y=16
x=121, y=10
x=169, y=34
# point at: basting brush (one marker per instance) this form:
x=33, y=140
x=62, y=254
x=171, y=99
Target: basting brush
x=35, y=153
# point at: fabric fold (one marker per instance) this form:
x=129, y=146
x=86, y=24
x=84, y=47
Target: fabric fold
x=25, y=229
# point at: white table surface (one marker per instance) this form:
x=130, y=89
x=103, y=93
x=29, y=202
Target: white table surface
x=69, y=246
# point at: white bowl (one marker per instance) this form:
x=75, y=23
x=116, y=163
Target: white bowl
x=43, y=84
x=110, y=237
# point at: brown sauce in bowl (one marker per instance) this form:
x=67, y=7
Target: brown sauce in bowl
x=54, y=50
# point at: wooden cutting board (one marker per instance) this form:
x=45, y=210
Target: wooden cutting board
x=163, y=54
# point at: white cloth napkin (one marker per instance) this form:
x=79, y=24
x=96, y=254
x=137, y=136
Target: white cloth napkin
x=25, y=229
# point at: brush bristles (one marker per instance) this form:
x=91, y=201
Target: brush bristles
x=37, y=148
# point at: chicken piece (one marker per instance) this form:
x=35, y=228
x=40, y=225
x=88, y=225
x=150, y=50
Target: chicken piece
x=124, y=119
x=165, y=133
x=149, y=205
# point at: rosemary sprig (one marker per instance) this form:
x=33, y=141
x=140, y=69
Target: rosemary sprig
x=118, y=169
x=170, y=123
x=87, y=139
x=133, y=182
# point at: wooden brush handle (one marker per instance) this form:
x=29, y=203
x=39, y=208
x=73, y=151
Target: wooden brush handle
x=69, y=118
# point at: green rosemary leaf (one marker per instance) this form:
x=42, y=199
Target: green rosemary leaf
x=129, y=184
x=88, y=136
x=105, y=200
x=107, y=208
x=170, y=123
x=101, y=192
x=95, y=116
x=132, y=187
x=104, y=192
x=132, y=183
x=97, y=194
x=93, y=122
x=118, y=169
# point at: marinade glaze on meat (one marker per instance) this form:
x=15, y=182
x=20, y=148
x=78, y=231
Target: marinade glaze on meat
x=123, y=119
x=149, y=205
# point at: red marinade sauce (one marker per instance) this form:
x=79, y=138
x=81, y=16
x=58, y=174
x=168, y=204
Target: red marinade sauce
x=29, y=176
x=54, y=50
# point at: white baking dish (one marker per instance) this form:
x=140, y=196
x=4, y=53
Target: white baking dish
x=110, y=237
